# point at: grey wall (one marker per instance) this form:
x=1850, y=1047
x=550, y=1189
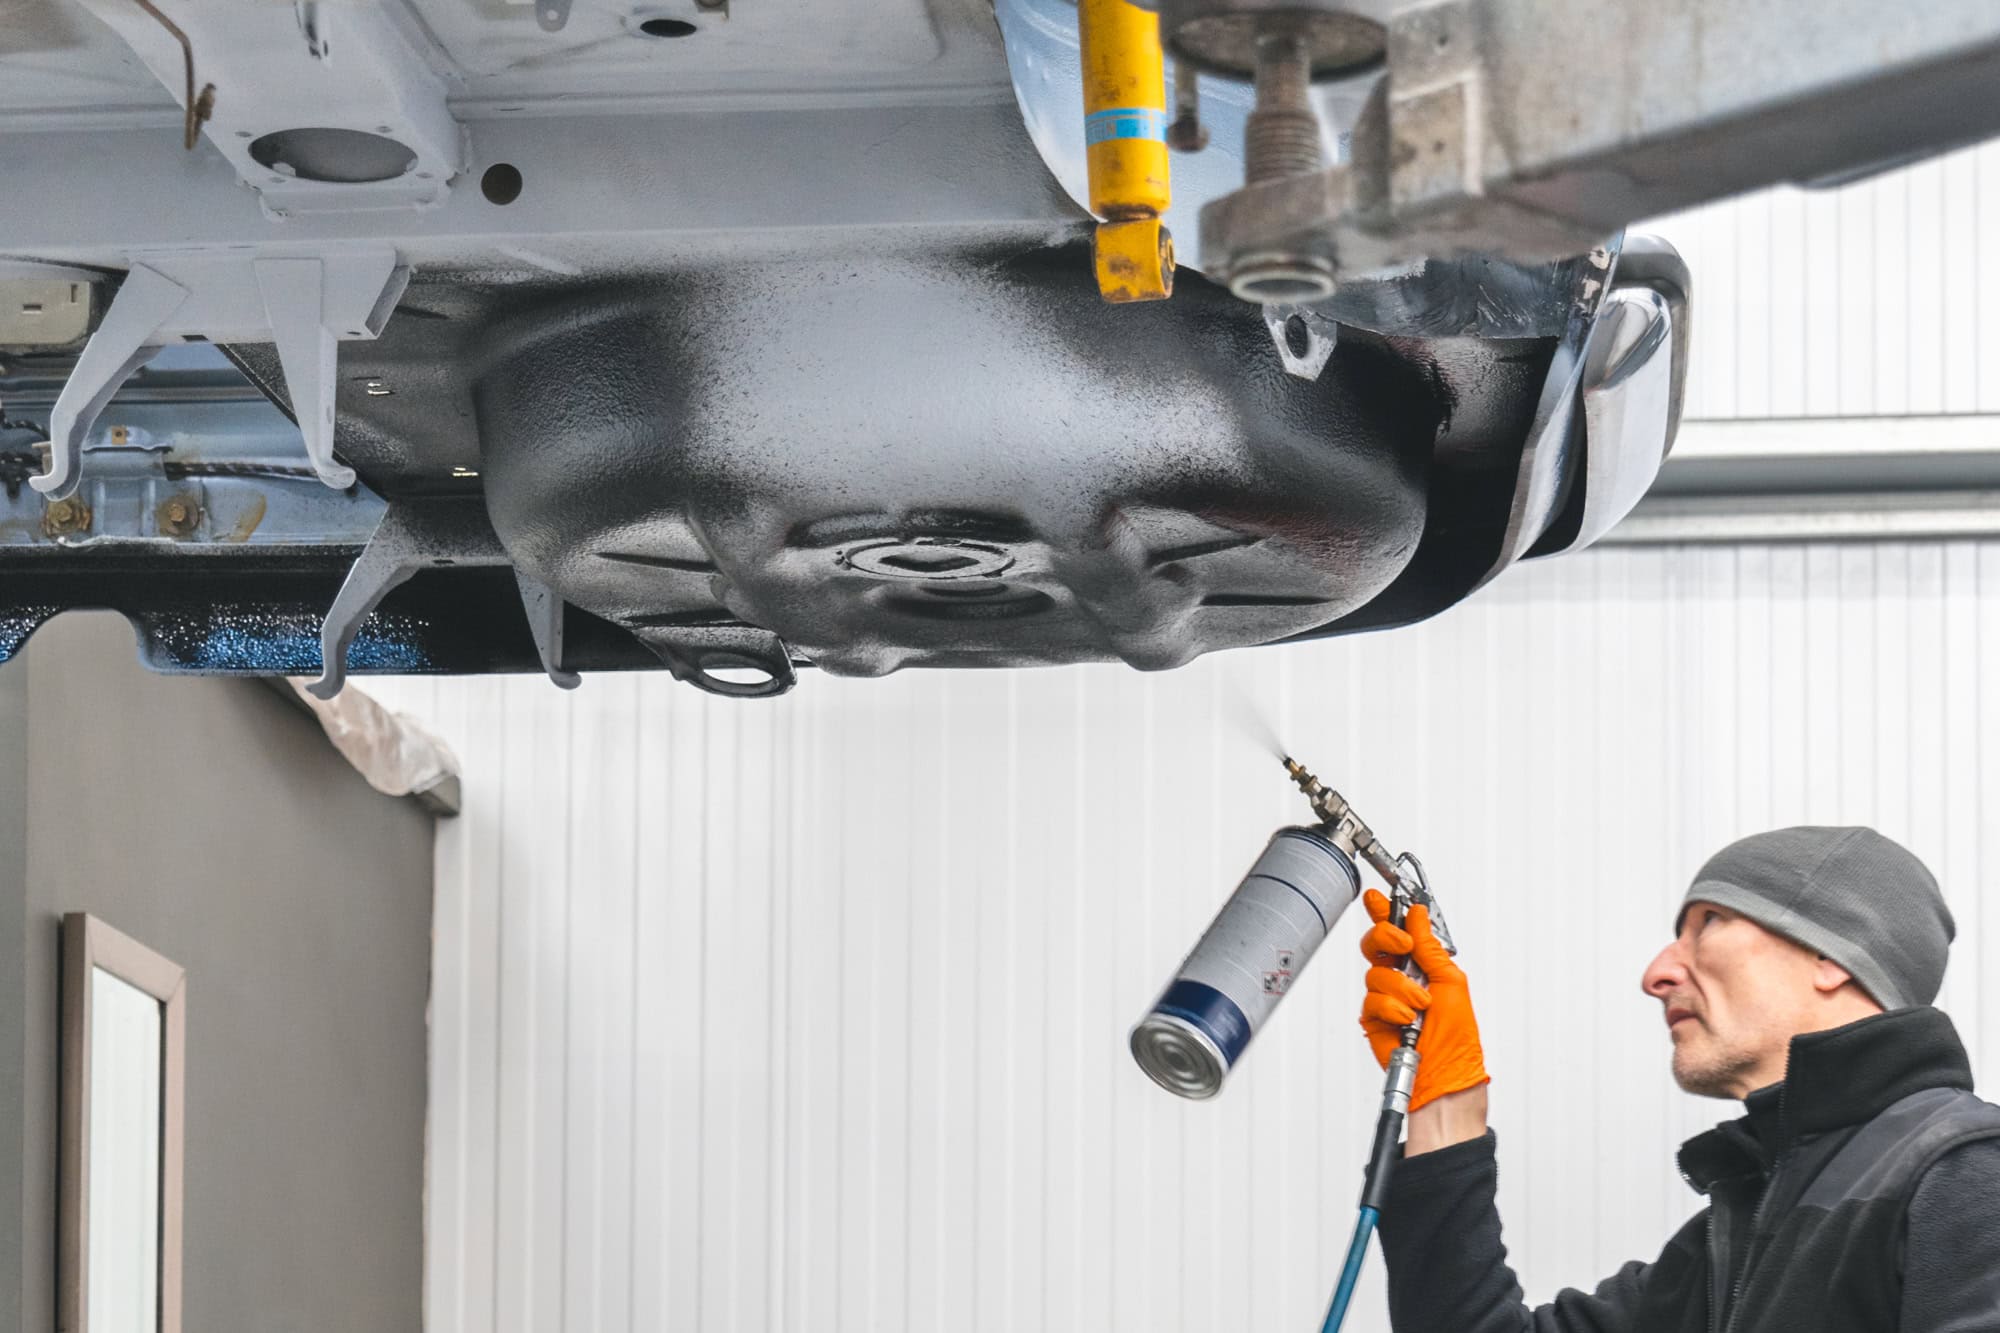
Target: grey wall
x=13, y=898
x=211, y=821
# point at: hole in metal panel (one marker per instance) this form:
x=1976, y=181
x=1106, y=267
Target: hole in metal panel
x=332, y=157
x=749, y=677
x=668, y=28
x=739, y=675
x=1298, y=338
x=501, y=183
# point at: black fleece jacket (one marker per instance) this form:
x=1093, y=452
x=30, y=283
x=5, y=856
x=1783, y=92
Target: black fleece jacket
x=1862, y=1194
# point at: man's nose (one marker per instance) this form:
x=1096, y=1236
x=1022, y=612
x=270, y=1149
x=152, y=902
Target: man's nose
x=1666, y=973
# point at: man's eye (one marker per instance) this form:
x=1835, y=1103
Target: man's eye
x=1710, y=916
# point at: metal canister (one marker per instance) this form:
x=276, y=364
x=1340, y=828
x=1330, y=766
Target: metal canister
x=1245, y=962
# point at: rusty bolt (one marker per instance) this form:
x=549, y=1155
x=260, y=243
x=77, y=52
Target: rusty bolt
x=1281, y=136
x=63, y=518
x=1187, y=134
x=178, y=516
x=120, y=435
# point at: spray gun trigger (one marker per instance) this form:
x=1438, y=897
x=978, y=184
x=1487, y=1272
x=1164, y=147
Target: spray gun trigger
x=1407, y=862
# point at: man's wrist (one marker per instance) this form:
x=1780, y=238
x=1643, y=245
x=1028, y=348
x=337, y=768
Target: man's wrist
x=1456, y=1117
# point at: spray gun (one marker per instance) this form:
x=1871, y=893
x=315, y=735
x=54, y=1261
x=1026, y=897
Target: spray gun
x=1408, y=888
x=1246, y=961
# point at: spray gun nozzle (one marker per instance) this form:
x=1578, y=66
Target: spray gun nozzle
x=1324, y=801
x=1333, y=809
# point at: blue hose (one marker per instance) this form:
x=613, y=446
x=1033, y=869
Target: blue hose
x=1357, y=1250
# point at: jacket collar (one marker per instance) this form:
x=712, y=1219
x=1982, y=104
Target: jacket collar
x=1843, y=1076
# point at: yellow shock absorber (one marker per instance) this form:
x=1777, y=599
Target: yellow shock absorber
x=1125, y=137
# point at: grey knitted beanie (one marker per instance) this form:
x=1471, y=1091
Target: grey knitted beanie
x=1849, y=893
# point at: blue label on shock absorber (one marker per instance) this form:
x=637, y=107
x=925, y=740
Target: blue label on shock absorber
x=1213, y=1013
x=1125, y=122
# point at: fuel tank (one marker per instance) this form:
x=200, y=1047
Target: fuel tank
x=957, y=460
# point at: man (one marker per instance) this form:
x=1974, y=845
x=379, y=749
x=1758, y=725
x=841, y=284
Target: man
x=1861, y=1191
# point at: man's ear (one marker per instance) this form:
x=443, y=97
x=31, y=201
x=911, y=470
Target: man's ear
x=1829, y=976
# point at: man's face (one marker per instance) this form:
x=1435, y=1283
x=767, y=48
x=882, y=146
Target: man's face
x=1729, y=991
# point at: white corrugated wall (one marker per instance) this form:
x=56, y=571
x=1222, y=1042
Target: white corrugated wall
x=810, y=1014
x=1872, y=300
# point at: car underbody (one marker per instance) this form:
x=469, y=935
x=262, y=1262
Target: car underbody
x=736, y=336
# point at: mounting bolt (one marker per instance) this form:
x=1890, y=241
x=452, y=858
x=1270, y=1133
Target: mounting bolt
x=121, y=435
x=178, y=516
x=1280, y=139
x=1186, y=134
x=1281, y=136
x=65, y=518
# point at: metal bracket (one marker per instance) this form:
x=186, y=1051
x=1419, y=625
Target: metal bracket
x=699, y=654
x=295, y=306
x=304, y=305
x=1305, y=339
x=1496, y=131
x=416, y=535
x=1628, y=399
x=1614, y=407
x=318, y=107
x=545, y=621
x=127, y=339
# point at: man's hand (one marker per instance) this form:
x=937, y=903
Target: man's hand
x=1450, y=1060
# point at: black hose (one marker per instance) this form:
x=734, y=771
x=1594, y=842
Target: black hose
x=1382, y=1159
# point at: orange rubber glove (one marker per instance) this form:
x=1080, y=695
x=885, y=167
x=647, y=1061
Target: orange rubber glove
x=1449, y=1057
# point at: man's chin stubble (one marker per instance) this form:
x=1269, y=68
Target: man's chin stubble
x=1717, y=1080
